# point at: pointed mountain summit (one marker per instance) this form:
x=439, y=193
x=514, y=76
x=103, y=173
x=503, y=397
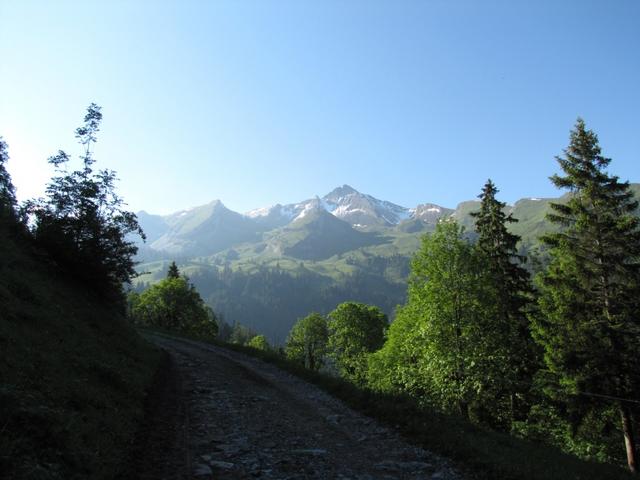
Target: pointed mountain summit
x=362, y=210
x=316, y=234
x=204, y=230
x=339, y=193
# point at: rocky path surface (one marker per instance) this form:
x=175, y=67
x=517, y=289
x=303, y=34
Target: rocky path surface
x=239, y=417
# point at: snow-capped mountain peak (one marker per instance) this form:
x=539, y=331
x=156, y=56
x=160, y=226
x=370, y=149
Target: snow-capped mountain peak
x=346, y=203
x=363, y=210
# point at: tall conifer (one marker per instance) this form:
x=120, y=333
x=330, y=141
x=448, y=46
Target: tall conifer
x=590, y=322
x=506, y=294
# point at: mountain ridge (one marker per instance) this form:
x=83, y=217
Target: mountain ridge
x=211, y=228
x=288, y=260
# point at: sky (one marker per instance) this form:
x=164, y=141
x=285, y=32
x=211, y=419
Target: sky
x=263, y=102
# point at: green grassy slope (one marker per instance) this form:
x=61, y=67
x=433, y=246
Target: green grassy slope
x=319, y=235
x=205, y=229
x=73, y=375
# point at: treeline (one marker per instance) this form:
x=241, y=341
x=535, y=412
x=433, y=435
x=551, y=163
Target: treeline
x=268, y=299
x=551, y=357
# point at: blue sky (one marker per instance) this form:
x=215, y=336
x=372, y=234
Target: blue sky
x=258, y=102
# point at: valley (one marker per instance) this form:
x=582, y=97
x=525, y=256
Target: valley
x=273, y=265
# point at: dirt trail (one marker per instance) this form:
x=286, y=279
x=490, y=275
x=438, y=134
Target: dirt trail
x=235, y=416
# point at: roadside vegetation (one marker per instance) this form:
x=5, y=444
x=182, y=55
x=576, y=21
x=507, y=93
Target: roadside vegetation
x=73, y=372
x=492, y=366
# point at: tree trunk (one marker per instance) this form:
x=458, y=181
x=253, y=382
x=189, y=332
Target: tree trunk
x=629, y=440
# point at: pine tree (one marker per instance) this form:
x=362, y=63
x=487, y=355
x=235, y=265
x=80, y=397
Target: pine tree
x=173, y=271
x=7, y=190
x=590, y=294
x=506, y=294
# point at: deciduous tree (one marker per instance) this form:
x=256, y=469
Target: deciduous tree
x=82, y=222
x=307, y=341
x=174, y=304
x=355, y=331
x=259, y=342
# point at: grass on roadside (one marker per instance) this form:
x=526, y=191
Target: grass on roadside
x=73, y=376
x=482, y=453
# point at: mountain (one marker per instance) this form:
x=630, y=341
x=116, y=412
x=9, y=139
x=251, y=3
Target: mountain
x=316, y=234
x=212, y=228
x=201, y=230
x=360, y=210
x=363, y=211
x=270, y=266
x=154, y=226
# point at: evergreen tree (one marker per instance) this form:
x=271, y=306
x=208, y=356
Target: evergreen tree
x=590, y=294
x=7, y=190
x=8, y=217
x=240, y=334
x=173, y=271
x=506, y=294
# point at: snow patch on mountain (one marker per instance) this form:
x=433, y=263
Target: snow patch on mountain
x=260, y=212
x=305, y=208
x=346, y=203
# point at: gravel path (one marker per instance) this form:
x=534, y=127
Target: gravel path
x=240, y=417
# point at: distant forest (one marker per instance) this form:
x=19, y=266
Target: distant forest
x=269, y=299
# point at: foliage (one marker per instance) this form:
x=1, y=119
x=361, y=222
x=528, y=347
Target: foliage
x=506, y=295
x=355, y=330
x=73, y=374
x=483, y=454
x=436, y=345
x=259, y=342
x=7, y=190
x=589, y=296
x=82, y=223
x=174, y=304
x=307, y=341
x=240, y=334
x=270, y=299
